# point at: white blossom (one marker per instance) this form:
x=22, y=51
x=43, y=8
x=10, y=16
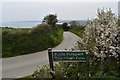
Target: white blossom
x=105, y=33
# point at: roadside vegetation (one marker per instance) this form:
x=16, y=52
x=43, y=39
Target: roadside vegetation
x=101, y=37
x=74, y=27
x=17, y=42
x=78, y=30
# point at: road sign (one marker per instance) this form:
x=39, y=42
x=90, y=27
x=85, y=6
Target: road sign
x=69, y=55
x=63, y=55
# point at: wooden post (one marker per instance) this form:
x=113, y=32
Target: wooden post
x=50, y=58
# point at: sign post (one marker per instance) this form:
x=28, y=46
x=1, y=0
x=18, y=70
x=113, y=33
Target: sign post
x=50, y=58
x=66, y=56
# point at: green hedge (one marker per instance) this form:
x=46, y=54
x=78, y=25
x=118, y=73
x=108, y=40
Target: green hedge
x=25, y=41
x=78, y=30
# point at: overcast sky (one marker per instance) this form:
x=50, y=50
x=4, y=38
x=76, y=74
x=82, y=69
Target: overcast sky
x=22, y=11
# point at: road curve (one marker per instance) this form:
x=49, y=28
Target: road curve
x=20, y=66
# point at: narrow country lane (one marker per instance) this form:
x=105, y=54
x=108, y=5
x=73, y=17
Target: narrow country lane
x=20, y=66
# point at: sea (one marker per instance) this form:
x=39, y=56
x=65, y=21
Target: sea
x=31, y=24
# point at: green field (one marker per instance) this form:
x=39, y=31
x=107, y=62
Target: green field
x=25, y=40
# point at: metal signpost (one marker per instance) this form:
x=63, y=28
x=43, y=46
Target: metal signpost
x=67, y=56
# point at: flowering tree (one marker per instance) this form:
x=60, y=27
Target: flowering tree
x=102, y=38
x=103, y=33
x=107, y=33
